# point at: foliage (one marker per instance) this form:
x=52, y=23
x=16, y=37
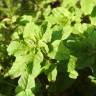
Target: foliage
x=46, y=44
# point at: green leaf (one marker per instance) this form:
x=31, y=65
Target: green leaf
x=67, y=30
x=13, y=47
x=57, y=33
x=93, y=19
x=46, y=66
x=87, y=6
x=71, y=67
x=26, y=92
x=26, y=18
x=17, y=48
x=59, y=51
x=22, y=93
x=20, y=65
x=55, y=46
x=25, y=83
x=68, y=3
x=29, y=92
x=43, y=45
x=47, y=11
x=52, y=75
x=31, y=34
x=92, y=78
x=38, y=58
x=73, y=74
x=48, y=34
x=61, y=15
x=79, y=28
